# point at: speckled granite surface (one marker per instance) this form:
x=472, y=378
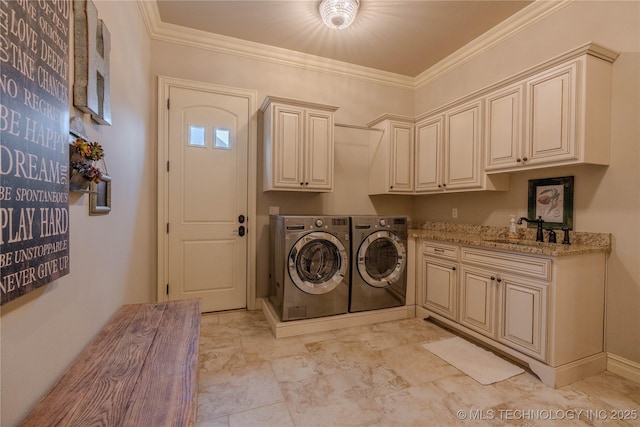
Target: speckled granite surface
x=498, y=238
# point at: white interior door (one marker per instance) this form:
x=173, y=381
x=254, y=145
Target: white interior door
x=208, y=139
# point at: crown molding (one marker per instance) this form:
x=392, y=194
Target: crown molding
x=162, y=31
x=526, y=17
x=176, y=34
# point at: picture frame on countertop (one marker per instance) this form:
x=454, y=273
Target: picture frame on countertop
x=551, y=199
x=100, y=196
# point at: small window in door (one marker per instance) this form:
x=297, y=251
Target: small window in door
x=223, y=138
x=197, y=136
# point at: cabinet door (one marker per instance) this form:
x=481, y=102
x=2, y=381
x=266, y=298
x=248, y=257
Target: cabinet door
x=503, y=128
x=477, y=301
x=429, y=155
x=441, y=287
x=551, y=115
x=523, y=316
x=318, y=151
x=401, y=167
x=287, y=147
x=463, y=140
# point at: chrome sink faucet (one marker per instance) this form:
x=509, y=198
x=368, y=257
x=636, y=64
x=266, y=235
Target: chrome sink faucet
x=540, y=221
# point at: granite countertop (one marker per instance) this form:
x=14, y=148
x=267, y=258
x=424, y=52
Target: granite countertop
x=498, y=238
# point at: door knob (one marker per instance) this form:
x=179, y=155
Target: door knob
x=241, y=231
x=241, y=219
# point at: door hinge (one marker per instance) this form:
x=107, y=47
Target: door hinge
x=168, y=104
x=167, y=165
x=167, y=228
x=167, y=289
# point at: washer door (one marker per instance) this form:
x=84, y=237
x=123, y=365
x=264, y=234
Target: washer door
x=382, y=258
x=318, y=263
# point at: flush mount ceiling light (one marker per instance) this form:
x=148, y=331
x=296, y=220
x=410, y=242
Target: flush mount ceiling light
x=338, y=14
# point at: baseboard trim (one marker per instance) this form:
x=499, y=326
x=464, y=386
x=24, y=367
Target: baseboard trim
x=324, y=324
x=624, y=367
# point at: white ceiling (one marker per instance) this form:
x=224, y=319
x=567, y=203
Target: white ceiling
x=396, y=36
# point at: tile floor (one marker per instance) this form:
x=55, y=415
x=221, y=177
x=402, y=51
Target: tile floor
x=378, y=375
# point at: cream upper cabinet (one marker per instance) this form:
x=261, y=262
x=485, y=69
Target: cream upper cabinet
x=551, y=116
x=462, y=146
x=429, y=155
x=449, y=151
x=554, y=116
x=298, y=145
x=503, y=128
x=391, y=155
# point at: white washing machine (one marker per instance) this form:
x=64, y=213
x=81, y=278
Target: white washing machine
x=309, y=266
x=379, y=266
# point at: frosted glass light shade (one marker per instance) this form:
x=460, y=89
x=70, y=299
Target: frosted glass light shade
x=338, y=14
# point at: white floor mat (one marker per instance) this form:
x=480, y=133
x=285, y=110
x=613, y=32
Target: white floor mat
x=480, y=364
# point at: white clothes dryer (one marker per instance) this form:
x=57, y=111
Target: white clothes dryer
x=309, y=266
x=379, y=266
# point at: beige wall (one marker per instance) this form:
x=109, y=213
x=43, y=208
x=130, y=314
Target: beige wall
x=359, y=102
x=113, y=259
x=607, y=199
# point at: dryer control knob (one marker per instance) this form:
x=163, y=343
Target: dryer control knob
x=319, y=223
x=383, y=223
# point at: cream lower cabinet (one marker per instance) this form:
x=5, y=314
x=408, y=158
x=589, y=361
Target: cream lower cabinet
x=547, y=312
x=523, y=315
x=440, y=278
x=506, y=308
x=478, y=301
x=298, y=145
x=441, y=291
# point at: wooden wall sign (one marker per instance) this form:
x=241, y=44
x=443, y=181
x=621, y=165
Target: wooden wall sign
x=92, y=46
x=34, y=141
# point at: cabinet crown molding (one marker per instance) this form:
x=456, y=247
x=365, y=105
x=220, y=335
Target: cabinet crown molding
x=590, y=48
x=269, y=99
x=394, y=117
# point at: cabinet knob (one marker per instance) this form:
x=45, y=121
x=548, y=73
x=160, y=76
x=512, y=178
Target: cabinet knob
x=498, y=280
x=518, y=160
x=453, y=268
x=302, y=183
x=306, y=183
x=444, y=185
x=492, y=278
x=439, y=186
x=391, y=187
x=524, y=159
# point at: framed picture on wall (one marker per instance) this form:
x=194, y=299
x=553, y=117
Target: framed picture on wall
x=551, y=199
x=100, y=196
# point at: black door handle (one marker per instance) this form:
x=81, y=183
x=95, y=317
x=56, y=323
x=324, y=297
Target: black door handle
x=241, y=219
x=241, y=231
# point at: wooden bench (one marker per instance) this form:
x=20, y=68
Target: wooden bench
x=140, y=371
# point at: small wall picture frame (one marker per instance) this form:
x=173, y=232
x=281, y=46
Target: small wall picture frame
x=100, y=196
x=551, y=199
